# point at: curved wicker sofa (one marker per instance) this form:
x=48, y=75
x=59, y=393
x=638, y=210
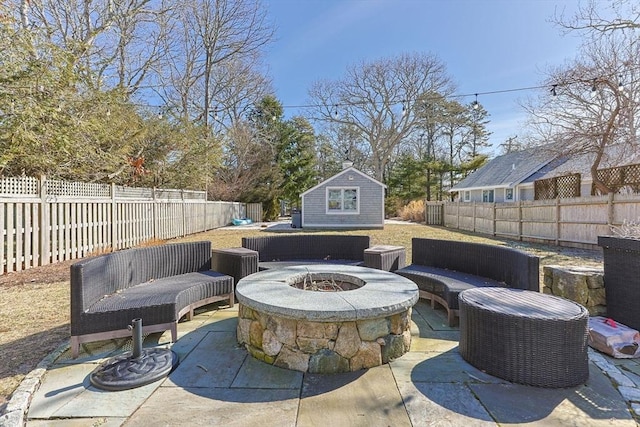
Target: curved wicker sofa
x=158, y=284
x=444, y=268
x=285, y=251
x=268, y=252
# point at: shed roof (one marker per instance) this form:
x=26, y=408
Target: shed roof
x=345, y=171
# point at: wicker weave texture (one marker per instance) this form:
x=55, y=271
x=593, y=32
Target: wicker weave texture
x=515, y=268
x=524, y=337
x=622, y=279
x=305, y=247
x=179, y=273
x=236, y=262
x=386, y=258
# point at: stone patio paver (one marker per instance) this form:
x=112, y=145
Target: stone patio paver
x=217, y=383
x=362, y=398
x=211, y=406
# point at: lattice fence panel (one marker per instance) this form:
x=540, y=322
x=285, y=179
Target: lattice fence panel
x=77, y=189
x=621, y=179
x=22, y=185
x=560, y=186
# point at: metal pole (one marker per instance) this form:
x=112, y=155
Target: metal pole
x=136, y=328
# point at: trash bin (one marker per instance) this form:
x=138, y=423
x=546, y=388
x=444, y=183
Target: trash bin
x=296, y=218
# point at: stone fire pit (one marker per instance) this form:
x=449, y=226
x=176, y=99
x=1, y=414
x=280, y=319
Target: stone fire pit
x=319, y=331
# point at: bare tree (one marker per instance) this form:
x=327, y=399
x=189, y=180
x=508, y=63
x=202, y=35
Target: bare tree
x=378, y=99
x=592, y=102
x=596, y=21
x=214, y=53
x=111, y=44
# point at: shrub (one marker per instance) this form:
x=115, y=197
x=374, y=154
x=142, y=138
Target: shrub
x=414, y=211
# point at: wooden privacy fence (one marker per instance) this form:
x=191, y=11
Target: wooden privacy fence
x=45, y=221
x=573, y=222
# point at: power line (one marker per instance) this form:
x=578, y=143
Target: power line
x=552, y=88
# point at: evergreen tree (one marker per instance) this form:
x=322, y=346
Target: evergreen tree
x=296, y=159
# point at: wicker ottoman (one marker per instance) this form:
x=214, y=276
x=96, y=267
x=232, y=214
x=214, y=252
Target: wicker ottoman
x=524, y=336
x=235, y=262
x=385, y=257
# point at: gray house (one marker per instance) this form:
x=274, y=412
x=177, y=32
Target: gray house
x=511, y=177
x=349, y=199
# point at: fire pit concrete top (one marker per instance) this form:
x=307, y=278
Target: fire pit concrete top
x=380, y=293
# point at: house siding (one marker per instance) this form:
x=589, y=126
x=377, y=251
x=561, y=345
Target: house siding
x=370, y=199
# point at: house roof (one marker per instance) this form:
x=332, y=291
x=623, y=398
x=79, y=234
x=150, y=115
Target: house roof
x=345, y=171
x=542, y=162
x=614, y=155
x=507, y=170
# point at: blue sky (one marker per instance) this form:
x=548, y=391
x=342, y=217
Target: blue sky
x=487, y=45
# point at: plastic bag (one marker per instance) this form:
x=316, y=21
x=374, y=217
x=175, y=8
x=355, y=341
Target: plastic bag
x=613, y=338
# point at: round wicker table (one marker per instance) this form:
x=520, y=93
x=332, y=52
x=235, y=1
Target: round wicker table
x=524, y=337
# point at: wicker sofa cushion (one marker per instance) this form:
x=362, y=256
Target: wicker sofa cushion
x=447, y=284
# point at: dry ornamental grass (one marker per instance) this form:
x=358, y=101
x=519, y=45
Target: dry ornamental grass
x=34, y=304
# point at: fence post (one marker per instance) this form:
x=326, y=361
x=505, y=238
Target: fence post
x=610, y=210
x=154, y=214
x=45, y=250
x=493, y=219
x=474, y=216
x=520, y=220
x=558, y=217
x=184, y=214
x=114, y=218
x=206, y=220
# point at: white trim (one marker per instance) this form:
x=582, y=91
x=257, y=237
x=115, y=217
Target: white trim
x=352, y=170
x=332, y=225
x=493, y=195
x=488, y=187
x=342, y=211
x=513, y=194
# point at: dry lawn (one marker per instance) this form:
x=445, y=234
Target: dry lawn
x=34, y=304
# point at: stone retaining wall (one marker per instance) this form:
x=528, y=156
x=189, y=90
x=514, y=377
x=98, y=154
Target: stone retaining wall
x=323, y=347
x=584, y=285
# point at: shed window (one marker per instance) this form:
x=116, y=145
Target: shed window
x=487, y=196
x=342, y=200
x=467, y=196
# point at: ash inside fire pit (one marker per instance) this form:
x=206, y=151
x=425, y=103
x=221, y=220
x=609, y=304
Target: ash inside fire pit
x=326, y=282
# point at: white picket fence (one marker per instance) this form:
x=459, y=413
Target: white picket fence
x=45, y=221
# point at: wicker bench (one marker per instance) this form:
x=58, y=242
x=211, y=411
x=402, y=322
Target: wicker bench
x=158, y=284
x=444, y=268
x=285, y=251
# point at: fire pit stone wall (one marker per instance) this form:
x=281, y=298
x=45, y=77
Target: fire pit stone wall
x=375, y=330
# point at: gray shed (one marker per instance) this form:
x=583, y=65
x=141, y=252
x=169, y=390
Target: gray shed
x=349, y=199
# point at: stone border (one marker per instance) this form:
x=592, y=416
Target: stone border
x=383, y=294
x=18, y=405
x=325, y=332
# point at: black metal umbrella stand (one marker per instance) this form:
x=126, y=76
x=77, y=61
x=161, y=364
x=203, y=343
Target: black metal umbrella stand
x=134, y=368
